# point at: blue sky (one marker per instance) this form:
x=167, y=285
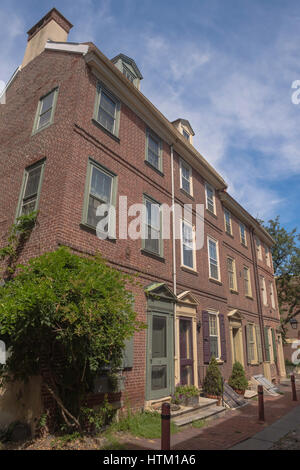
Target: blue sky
x=225, y=65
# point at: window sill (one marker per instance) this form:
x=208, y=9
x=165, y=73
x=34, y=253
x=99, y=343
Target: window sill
x=91, y=229
x=36, y=131
x=233, y=291
x=152, y=255
x=249, y=297
x=110, y=134
x=215, y=281
x=220, y=361
x=187, y=194
x=212, y=213
x=229, y=234
x=154, y=168
x=189, y=270
x=244, y=245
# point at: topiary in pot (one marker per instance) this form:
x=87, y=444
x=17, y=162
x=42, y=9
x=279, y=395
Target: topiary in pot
x=213, y=382
x=238, y=380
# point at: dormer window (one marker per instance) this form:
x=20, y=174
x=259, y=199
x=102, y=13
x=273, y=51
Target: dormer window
x=128, y=67
x=186, y=134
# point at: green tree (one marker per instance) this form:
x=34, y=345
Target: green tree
x=71, y=309
x=286, y=261
x=238, y=380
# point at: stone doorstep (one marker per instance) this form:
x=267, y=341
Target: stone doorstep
x=208, y=413
x=203, y=403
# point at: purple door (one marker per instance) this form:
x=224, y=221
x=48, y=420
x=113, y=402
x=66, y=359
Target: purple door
x=186, y=351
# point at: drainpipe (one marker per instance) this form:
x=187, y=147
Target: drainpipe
x=174, y=253
x=257, y=286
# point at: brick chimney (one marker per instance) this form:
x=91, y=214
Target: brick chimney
x=53, y=26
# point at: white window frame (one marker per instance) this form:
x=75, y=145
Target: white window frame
x=258, y=248
x=187, y=166
x=209, y=186
x=216, y=314
x=194, y=267
x=249, y=293
x=230, y=221
x=209, y=238
x=149, y=199
x=244, y=243
x=272, y=295
x=234, y=288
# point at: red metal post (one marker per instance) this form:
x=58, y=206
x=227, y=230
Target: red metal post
x=261, y=409
x=165, y=426
x=293, y=387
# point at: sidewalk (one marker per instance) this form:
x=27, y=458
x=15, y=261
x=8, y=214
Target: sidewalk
x=236, y=427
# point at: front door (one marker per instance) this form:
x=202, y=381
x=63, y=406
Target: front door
x=186, y=351
x=160, y=341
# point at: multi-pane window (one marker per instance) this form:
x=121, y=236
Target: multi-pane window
x=101, y=188
x=213, y=335
x=152, y=229
x=128, y=73
x=227, y=217
x=213, y=259
x=263, y=290
x=267, y=251
x=258, y=248
x=231, y=273
x=186, y=134
x=272, y=294
x=154, y=151
x=30, y=189
x=187, y=250
x=243, y=234
x=186, y=177
x=247, y=284
x=107, y=110
x=45, y=111
x=210, y=198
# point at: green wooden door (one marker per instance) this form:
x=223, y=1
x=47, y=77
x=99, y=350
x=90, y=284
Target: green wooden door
x=159, y=355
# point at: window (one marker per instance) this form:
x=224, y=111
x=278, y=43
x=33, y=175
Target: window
x=31, y=188
x=213, y=259
x=107, y=110
x=228, y=227
x=45, y=111
x=214, y=335
x=128, y=73
x=258, y=248
x=270, y=341
x=267, y=251
x=188, y=257
x=243, y=234
x=186, y=177
x=186, y=134
x=231, y=274
x=152, y=228
x=247, y=283
x=154, y=150
x=210, y=198
x=101, y=188
x=272, y=295
x=263, y=289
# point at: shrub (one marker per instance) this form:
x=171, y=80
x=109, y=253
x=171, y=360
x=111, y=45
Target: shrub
x=184, y=391
x=238, y=380
x=213, y=382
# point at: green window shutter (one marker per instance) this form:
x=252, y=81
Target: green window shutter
x=127, y=361
x=258, y=344
x=267, y=344
x=274, y=345
x=247, y=327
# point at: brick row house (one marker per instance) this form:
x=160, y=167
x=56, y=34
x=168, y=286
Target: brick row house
x=77, y=132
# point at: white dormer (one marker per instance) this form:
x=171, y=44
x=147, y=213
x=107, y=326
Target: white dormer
x=129, y=68
x=184, y=127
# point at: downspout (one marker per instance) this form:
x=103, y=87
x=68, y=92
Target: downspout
x=259, y=304
x=174, y=255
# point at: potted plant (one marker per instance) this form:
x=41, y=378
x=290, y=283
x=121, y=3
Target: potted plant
x=186, y=394
x=238, y=380
x=213, y=382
